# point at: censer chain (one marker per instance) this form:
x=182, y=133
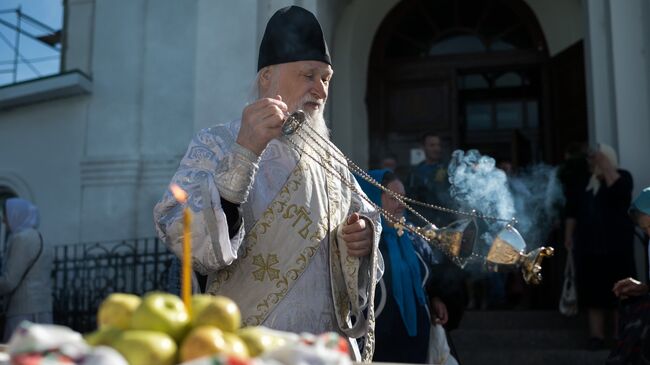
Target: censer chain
x=398, y=223
x=402, y=198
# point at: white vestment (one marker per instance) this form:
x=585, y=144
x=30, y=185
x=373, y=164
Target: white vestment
x=308, y=304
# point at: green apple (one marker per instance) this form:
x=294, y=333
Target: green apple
x=199, y=302
x=203, y=341
x=116, y=310
x=259, y=339
x=221, y=312
x=162, y=312
x=146, y=348
x=104, y=336
x=236, y=345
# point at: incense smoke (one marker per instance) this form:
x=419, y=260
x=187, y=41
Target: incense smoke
x=532, y=197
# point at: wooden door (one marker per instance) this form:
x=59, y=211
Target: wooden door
x=412, y=101
x=569, y=101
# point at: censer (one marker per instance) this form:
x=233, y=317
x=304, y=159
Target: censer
x=457, y=240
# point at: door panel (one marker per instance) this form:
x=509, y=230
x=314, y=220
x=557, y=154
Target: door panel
x=569, y=101
x=410, y=105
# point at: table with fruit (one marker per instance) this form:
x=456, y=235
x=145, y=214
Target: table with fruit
x=158, y=329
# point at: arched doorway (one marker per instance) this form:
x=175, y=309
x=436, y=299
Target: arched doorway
x=470, y=70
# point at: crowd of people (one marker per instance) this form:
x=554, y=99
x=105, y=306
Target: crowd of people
x=300, y=251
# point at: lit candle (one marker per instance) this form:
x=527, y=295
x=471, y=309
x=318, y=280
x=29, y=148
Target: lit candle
x=186, y=277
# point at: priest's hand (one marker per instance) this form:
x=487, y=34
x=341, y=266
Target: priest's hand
x=358, y=235
x=261, y=121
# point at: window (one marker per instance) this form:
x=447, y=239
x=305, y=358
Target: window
x=500, y=101
x=458, y=44
x=509, y=115
x=501, y=115
x=446, y=27
x=479, y=116
x=30, y=39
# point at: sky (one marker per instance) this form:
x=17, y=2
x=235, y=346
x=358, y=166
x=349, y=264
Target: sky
x=49, y=12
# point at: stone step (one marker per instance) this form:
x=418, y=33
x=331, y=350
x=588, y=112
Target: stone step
x=505, y=339
x=533, y=357
x=520, y=320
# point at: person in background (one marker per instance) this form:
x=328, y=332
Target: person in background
x=573, y=173
x=600, y=233
x=405, y=309
x=25, y=281
x=389, y=162
x=633, y=345
x=428, y=181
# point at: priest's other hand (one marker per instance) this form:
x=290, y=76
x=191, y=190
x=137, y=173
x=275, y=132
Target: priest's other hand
x=261, y=121
x=358, y=235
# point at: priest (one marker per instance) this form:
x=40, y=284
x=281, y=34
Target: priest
x=280, y=227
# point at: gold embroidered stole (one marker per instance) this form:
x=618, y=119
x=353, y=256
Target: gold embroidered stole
x=353, y=320
x=279, y=246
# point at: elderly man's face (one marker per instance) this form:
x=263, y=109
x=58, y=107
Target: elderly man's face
x=302, y=84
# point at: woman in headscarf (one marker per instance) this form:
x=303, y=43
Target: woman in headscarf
x=601, y=234
x=633, y=345
x=404, y=321
x=25, y=281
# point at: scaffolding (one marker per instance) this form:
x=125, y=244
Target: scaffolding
x=35, y=31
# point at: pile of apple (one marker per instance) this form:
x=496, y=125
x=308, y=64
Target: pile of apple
x=158, y=330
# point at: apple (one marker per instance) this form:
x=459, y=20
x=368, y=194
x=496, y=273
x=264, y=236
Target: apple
x=104, y=336
x=162, y=312
x=259, y=339
x=236, y=345
x=256, y=341
x=221, y=312
x=116, y=310
x=199, y=302
x=203, y=341
x=146, y=348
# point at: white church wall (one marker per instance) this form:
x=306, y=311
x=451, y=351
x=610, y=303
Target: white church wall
x=353, y=39
x=631, y=66
x=41, y=147
x=79, y=17
x=618, y=89
x=226, y=60
x=167, y=101
x=111, y=160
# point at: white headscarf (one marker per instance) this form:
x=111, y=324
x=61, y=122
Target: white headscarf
x=594, y=182
x=21, y=215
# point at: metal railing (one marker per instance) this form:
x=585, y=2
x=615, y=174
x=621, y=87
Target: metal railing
x=84, y=274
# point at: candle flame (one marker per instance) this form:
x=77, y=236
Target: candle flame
x=179, y=194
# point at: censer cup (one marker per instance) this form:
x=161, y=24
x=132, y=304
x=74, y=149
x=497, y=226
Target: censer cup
x=457, y=239
x=508, y=251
